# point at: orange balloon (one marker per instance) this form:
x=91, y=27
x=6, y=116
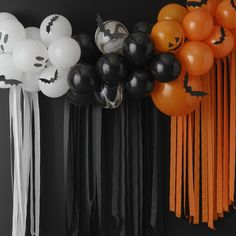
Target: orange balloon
x=226, y=14
x=173, y=99
x=220, y=41
x=197, y=57
x=209, y=5
x=173, y=11
x=234, y=36
x=167, y=36
x=198, y=25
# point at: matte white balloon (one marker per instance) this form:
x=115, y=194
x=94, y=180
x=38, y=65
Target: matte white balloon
x=11, y=32
x=33, y=33
x=53, y=82
x=30, y=82
x=30, y=56
x=7, y=16
x=55, y=27
x=9, y=74
x=64, y=53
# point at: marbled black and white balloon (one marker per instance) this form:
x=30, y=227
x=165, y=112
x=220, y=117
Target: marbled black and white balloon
x=112, y=37
x=110, y=96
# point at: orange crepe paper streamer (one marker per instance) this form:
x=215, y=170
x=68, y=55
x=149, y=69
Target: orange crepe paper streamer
x=219, y=141
x=173, y=163
x=179, y=166
x=185, y=162
x=225, y=140
x=232, y=128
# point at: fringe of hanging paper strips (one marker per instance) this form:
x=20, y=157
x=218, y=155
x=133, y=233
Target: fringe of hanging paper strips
x=25, y=159
x=127, y=192
x=202, y=160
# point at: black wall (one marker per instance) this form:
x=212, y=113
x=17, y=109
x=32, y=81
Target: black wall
x=81, y=13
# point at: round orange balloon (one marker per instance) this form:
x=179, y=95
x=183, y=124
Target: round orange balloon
x=167, y=36
x=208, y=5
x=220, y=41
x=173, y=99
x=198, y=25
x=226, y=14
x=172, y=11
x=234, y=36
x=197, y=57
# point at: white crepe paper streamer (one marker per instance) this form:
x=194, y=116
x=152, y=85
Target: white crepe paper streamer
x=24, y=112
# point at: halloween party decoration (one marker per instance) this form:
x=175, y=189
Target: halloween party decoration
x=11, y=32
x=30, y=56
x=64, y=53
x=138, y=48
x=55, y=27
x=220, y=41
x=173, y=12
x=197, y=57
x=182, y=66
x=168, y=36
x=197, y=25
x=110, y=35
x=53, y=82
x=112, y=68
x=139, y=83
x=165, y=67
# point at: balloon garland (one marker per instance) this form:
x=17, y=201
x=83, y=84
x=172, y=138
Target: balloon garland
x=185, y=56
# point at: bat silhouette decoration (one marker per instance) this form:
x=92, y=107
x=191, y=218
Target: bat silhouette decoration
x=188, y=89
x=196, y=4
x=51, y=22
x=9, y=81
x=233, y=4
x=107, y=32
x=51, y=80
x=222, y=37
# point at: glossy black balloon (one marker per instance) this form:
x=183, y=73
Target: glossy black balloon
x=143, y=27
x=80, y=99
x=139, y=83
x=82, y=78
x=110, y=95
x=89, y=50
x=112, y=68
x=165, y=67
x=138, y=48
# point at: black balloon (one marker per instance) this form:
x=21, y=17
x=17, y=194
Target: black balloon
x=110, y=95
x=82, y=78
x=143, y=27
x=112, y=68
x=165, y=67
x=89, y=50
x=139, y=83
x=138, y=48
x=80, y=99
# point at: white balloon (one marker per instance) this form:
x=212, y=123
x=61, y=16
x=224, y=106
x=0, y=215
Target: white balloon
x=11, y=32
x=30, y=56
x=30, y=82
x=9, y=74
x=64, y=53
x=55, y=27
x=33, y=33
x=53, y=82
x=7, y=16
